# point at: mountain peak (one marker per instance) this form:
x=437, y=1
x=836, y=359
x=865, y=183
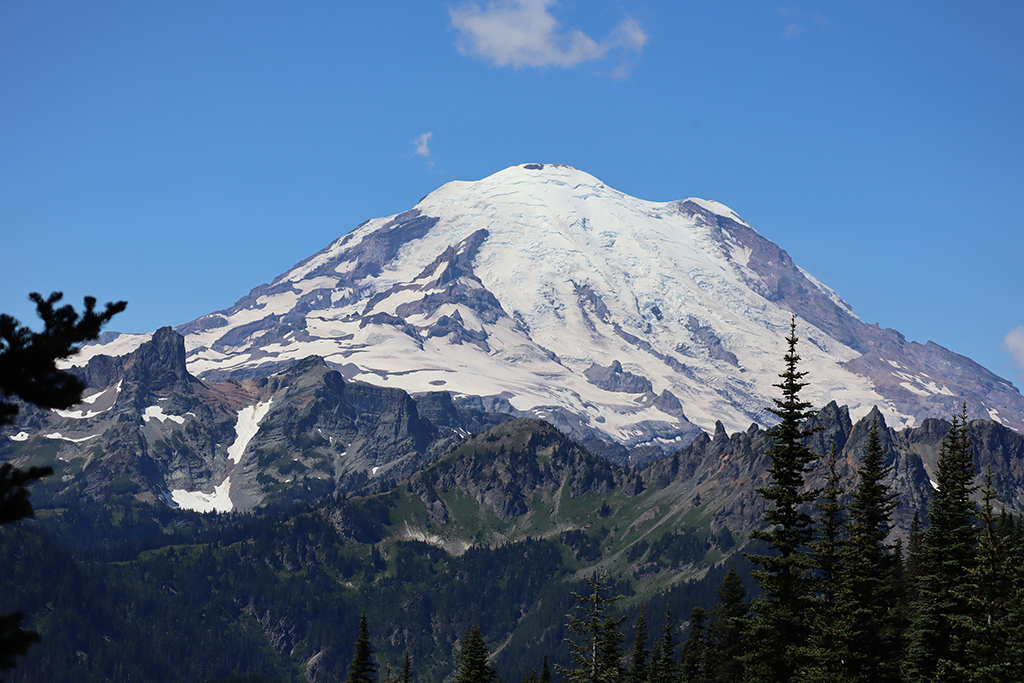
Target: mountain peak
x=523, y=287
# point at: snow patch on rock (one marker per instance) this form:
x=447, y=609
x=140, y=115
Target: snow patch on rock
x=157, y=413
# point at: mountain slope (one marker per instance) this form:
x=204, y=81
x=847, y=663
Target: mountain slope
x=631, y=326
x=558, y=297
x=149, y=429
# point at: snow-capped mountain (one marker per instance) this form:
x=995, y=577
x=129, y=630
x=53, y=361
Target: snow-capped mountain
x=541, y=291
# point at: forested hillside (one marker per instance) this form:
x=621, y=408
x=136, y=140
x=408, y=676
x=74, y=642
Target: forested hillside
x=875, y=555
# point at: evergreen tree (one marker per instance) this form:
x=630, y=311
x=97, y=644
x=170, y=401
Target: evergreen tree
x=900, y=587
x=362, y=668
x=991, y=621
x=937, y=634
x=874, y=642
x=585, y=655
x=28, y=371
x=663, y=655
x=912, y=568
x=638, y=657
x=727, y=634
x=781, y=630
x=545, y=671
x=653, y=675
x=827, y=642
x=1014, y=535
x=406, y=675
x=692, y=665
x=609, y=653
x=473, y=666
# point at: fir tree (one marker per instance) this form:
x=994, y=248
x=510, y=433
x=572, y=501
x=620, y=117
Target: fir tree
x=406, y=675
x=609, y=652
x=362, y=668
x=874, y=642
x=473, y=666
x=653, y=676
x=638, y=657
x=1014, y=535
x=692, y=664
x=585, y=655
x=782, y=626
x=991, y=621
x=545, y=671
x=827, y=642
x=727, y=633
x=912, y=567
x=937, y=637
x=28, y=371
x=663, y=655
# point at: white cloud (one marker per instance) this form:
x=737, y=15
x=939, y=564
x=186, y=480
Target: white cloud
x=796, y=24
x=1013, y=344
x=423, y=144
x=525, y=33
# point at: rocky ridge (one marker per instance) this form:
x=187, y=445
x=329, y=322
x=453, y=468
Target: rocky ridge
x=526, y=286
x=149, y=428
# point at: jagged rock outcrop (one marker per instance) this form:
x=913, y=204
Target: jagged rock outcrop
x=149, y=429
x=505, y=466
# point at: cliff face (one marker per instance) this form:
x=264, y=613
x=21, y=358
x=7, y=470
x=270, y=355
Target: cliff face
x=724, y=471
x=150, y=429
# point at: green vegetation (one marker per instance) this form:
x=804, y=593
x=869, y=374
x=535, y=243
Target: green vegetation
x=28, y=371
x=519, y=553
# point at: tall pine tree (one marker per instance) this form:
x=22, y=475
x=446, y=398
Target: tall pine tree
x=609, y=652
x=874, y=644
x=781, y=629
x=406, y=675
x=827, y=642
x=692, y=665
x=638, y=657
x=991, y=623
x=362, y=668
x=473, y=666
x=663, y=667
x=937, y=634
x=588, y=654
x=727, y=633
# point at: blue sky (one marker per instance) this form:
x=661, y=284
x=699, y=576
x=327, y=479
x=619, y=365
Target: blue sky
x=178, y=154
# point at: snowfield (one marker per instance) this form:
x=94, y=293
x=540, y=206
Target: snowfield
x=515, y=285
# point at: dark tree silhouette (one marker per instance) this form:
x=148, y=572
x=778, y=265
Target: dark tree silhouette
x=28, y=371
x=782, y=627
x=473, y=666
x=362, y=668
x=948, y=551
x=638, y=659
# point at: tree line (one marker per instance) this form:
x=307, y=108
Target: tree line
x=838, y=601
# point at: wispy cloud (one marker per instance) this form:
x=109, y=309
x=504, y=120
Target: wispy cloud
x=423, y=144
x=1013, y=344
x=525, y=33
x=796, y=23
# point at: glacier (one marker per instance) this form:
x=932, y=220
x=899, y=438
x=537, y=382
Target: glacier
x=513, y=287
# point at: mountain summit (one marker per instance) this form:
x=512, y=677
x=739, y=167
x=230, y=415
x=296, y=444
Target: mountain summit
x=540, y=291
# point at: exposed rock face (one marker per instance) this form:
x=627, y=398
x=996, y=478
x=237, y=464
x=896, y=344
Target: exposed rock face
x=726, y=470
x=613, y=378
x=504, y=467
x=539, y=292
x=150, y=429
x=536, y=283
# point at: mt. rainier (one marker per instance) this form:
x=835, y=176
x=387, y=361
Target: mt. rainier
x=541, y=291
